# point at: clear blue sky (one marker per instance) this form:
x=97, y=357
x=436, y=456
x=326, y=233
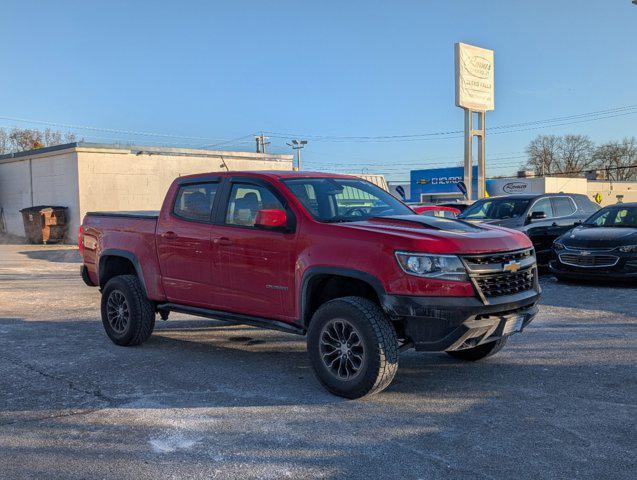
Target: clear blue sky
x=222, y=70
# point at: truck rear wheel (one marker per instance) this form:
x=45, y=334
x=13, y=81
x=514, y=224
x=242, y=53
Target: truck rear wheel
x=127, y=315
x=479, y=352
x=353, y=347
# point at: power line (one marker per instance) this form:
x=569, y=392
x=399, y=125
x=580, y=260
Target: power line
x=107, y=130
x=413, y=163
x=506, y=128
x=231, y=141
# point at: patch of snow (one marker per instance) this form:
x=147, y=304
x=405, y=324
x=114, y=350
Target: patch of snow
x=172, y=443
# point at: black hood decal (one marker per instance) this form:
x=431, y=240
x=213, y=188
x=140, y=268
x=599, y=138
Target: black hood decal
x=434, y=223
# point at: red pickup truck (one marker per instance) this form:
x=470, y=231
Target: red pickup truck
x=332, y=257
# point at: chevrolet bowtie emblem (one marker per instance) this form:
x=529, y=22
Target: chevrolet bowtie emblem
x=584, y=252
x=511, y=266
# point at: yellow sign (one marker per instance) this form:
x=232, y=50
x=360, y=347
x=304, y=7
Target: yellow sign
x=598, y=198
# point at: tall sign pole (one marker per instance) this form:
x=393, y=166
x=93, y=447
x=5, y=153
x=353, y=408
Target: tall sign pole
x=474, y=94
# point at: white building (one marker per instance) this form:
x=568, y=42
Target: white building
x=87, y=177
x=606, y=191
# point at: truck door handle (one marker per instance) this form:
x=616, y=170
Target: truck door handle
x=554, y=224
x=169, y=235
x=224, y=241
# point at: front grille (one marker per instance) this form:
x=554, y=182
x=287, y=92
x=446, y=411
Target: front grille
x=579, y=260
x=497, y=284
x=498, y=257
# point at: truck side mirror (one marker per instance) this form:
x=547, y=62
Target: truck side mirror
x=271, y=219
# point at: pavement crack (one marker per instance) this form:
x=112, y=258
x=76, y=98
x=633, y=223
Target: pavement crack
x=95, y=392
x=50, y=417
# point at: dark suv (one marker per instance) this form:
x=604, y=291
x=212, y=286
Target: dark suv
x=543, y=217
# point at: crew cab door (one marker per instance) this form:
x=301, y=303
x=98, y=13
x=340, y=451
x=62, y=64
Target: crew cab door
x=183, y=244
x=255, y=274
x=542, y=231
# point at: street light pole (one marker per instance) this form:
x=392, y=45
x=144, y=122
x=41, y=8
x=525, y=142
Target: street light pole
x=298, y=146
x=298, y=158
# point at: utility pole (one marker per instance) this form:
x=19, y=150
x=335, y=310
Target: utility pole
x=298, y=146
x=261, y=143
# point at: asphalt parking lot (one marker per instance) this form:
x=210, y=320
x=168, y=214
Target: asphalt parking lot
x=203, y=399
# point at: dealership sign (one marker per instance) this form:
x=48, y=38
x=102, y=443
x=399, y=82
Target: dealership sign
x=438, y=181
x=515, y=187
x=474, y=77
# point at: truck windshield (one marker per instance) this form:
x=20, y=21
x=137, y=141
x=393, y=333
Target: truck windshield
x=496, y=209
x=344, y=200
x=616, y=217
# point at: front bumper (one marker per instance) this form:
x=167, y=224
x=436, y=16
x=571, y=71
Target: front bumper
x=622, y=271
x=456, y=323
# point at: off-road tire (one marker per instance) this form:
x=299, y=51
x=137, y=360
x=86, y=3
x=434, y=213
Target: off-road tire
x=481, y=351
x=378, y=338
x=141, y=318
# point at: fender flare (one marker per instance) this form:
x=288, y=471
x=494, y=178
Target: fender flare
x=313, y=272
x=116, y=252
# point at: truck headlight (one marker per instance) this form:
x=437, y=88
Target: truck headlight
x=628, y=249
x=442, y=267
x=558, y=246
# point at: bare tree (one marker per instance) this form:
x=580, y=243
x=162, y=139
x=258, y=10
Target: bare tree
x=20, y=139
x=25, y=139
x=51, y=137
x=543, y=154
x=576, y=154
x=618, y=159
x=4, y=142
x=554, y=155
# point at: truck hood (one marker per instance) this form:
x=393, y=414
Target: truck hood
x=442, y=235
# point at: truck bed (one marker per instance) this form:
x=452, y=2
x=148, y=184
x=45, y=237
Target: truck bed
x=149, y=214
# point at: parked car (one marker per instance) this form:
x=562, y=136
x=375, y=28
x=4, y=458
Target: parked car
x=604, y=246
x=461, y=205
x=332, y=257
x=436, y=211
x=543, y=217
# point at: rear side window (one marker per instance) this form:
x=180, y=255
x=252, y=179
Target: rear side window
x=194, y=202
x=563, y=206
x=587, y=205
x=543, y=205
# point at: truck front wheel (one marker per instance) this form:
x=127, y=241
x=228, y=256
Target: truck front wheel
x=127, y=315
x=352, y=347
x=479, y=352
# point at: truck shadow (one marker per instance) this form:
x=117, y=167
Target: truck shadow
x=56, y=255
x=206, y=363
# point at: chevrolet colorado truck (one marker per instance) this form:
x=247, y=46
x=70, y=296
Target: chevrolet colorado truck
x=332, y=257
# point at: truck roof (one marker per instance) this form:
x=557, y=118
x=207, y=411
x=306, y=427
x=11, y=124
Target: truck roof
x=271, y=174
